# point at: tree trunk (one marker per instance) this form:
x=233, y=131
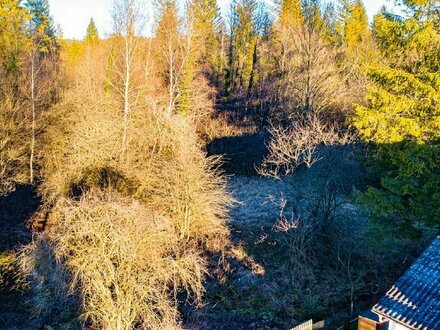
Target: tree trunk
x=126, y=93
x=31, y=159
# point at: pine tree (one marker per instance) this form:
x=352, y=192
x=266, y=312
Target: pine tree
x=199, y=51
x=354, y=29
x=330, y=24
x=312, y=15
x=402, y=119
x=261, y=66
x=205, y=15
x=42, y=25
x=241, y=46
x=12, y=35
x=92, y=34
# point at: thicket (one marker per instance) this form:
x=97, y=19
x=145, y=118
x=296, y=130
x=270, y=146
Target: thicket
x=120, y=170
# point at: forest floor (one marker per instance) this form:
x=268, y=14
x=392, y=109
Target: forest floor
x=252, y=295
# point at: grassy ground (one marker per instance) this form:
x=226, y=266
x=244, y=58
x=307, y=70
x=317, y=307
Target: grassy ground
x=258, y=292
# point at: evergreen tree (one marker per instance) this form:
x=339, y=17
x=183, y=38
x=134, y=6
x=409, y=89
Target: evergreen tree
x=13, y=37
x=205, y=15
x=261, y=67
x=42, y=26
x=402, y=118
x=312, y=15
x=354, y=29
x=199, y=50
x=241, y=46
x=355, y=47
x=92, y=34
x=330, y=24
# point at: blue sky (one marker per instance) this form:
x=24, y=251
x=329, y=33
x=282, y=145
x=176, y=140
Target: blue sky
x=74, y=15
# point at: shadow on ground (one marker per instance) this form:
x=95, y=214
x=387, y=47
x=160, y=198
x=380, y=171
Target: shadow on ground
x=260, y=292
x=15, y=210
x=240, y=153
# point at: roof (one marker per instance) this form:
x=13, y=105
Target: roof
x=370, y=315
x=414, y=300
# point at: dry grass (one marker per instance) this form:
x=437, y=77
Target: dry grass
x=13, y=145
x=164, y=168
x=131, y=231
x=127, y=263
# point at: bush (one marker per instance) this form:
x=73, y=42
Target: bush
x=298, y=145
x=126, y=232
x=121, y=258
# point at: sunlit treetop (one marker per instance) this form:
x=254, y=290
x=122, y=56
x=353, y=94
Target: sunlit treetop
x=412, y=42
x=92, y=34
x=13, y=38
x=352, y=25
x=290, y=13
x=41, y=25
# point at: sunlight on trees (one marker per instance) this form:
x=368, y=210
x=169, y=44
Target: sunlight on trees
x=401, y=117
x=133, y=223
x=92, y=34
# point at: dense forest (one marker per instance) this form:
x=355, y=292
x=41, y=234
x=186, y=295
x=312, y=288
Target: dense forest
x=244, y=171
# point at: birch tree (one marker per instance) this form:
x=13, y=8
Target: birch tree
x=127, y=20
x=168, y=39
x=34, y=95
x=42, y=55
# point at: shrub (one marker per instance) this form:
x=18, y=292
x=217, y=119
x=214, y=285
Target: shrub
x=127, y=233
x=298, y=145
x=123, y=260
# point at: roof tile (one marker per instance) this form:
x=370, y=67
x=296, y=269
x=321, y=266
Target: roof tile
x=415, y=298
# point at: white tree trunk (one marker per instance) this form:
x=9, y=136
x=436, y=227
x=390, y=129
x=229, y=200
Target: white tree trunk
x=31, y=159
x=127, y=81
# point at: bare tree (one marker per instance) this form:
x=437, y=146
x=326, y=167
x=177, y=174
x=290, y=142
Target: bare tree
x=310, y=82
x=40, y=71
x=36, y=65
x=299, y=144
x=128, y=24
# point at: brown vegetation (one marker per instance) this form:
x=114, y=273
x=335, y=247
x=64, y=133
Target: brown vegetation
x=134, y=216
x=122, y=175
